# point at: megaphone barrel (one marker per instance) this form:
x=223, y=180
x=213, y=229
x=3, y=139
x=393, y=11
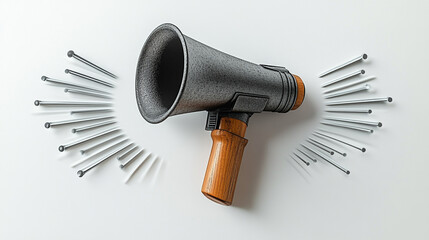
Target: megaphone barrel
x=177, y=74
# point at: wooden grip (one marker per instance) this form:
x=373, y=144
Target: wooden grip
x=225, y=160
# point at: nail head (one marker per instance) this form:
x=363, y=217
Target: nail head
x=80, y=173
x=61, y=148
x=70, y=53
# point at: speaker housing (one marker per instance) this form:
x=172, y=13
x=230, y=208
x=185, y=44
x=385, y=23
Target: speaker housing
x=177, y=74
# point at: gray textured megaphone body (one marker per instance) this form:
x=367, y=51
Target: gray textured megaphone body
x=177, y=74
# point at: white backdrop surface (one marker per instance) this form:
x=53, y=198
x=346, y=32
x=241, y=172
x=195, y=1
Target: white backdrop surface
x=384, y=197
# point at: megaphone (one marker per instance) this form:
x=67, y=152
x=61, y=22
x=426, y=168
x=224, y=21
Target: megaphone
x=177, y=74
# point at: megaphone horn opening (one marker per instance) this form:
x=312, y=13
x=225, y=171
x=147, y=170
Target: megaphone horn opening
x=161, y=73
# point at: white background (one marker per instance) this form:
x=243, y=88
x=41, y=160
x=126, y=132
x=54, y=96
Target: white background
x=385, y=196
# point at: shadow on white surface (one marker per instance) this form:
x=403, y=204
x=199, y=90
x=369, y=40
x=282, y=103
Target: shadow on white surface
x=261, y=130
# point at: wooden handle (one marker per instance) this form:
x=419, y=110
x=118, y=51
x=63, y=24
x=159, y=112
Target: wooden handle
x=225, y=160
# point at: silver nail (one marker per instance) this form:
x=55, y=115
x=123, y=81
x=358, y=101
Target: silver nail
x=88, y=93
x=334, y=124
x=123, y=165
x=348, y=91
x=99, y=152
x=321, y=147
x=72, y=54
x=125, y=154
x=67, y=103
x=300, y=158
x=368, y=100
x=78, y=120
x=84, y=170
x=349, y=84
x=64, y=83
x=370, y=123
x=344, y=77
x=350, y=110
x=91, y=110
x=327, y=159
x=64, y=147
x=92, y=126
x=140, y=165
x=86, y=150
x=308, y=156
x=322, y=135
x=333, y=149
x=93, y=79
x=356, y=59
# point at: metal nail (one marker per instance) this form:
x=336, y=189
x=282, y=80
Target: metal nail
x=369, y=111
x=368, y=100
x=370, y=123
x=334, y=124
x=139, y=166
x=78, y=120
x=333, y=149
x=99, y=152
x=123, y=165
x=92, y=126
x=64, y=83
x=321, y=135
x=321, y=147
x=344, y=77
x=125, y=154
x=91, y=110
x=93, y=79
x=356, y=59
x=72, y=54
x=84, y=170
x=327, y=159
x=88, y=93
x=86, y=150
x=308, y=156
x=67, y=103
x=348, y=91
x=350, y=84
x=64, y=147
x=300, y=158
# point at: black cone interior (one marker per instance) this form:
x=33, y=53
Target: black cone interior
x=159, y=74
